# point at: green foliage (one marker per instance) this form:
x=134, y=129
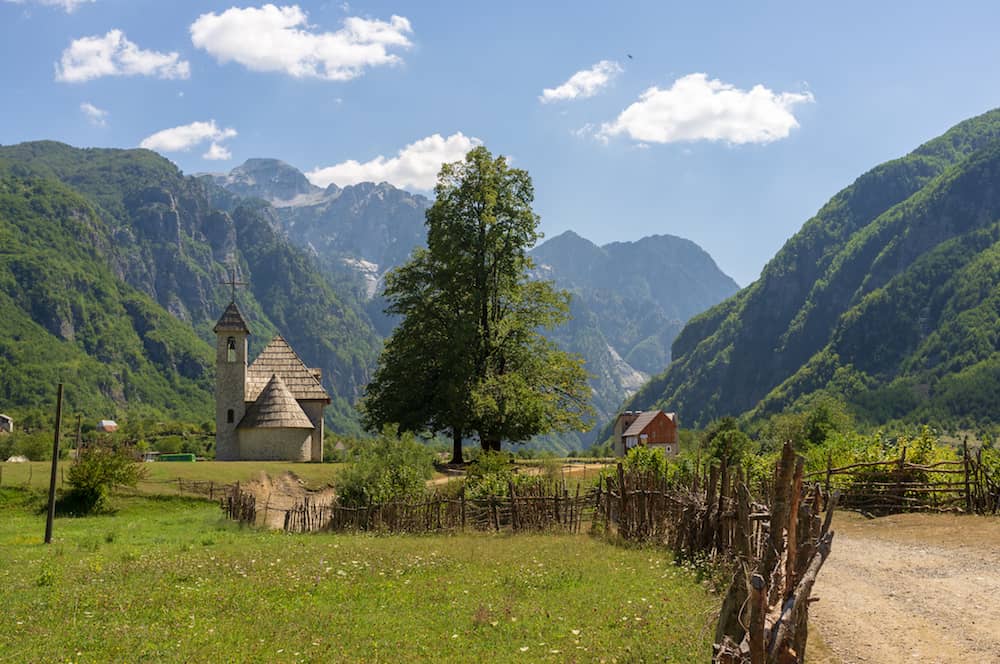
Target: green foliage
x=384, y=469
x=469, y=356
x=646, y=460
x=98, y=471
x=725, y=442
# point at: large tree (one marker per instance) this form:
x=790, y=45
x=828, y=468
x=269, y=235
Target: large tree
x=469, y=357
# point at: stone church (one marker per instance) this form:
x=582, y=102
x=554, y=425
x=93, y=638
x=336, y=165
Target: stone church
x=271, y=409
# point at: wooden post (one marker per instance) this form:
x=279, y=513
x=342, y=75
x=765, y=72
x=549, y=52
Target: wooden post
x=55, y=463
x=622, y=501
x=513, y=506
x=968, y=494
x=758, y=609
x=462, y=498
x=76, y=444
x=793, y=523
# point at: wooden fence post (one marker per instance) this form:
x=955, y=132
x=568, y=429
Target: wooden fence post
x=622, y=502
x=965, y=466
x=462, y=499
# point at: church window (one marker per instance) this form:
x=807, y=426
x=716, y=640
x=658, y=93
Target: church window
x=229, y=416
x=231, y=350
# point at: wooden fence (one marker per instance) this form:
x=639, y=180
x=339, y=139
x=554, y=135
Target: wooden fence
x=775, y=544
x=897, y=485
x=541, y=507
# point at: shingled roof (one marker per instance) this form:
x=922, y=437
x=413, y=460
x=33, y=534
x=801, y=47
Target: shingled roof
x=643, y=421
x=275, y=408
x=231, y=321
x=279, y=358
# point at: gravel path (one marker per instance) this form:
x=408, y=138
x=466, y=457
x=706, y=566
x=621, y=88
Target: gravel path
x=910, y=588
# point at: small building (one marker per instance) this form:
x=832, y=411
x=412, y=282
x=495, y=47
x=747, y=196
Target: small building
x=270, y=409
x=6, y=423
x=107, y=426
x=650, y=428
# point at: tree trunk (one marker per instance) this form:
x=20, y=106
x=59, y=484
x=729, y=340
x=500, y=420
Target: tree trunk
x=456, y=449
x=490, y=445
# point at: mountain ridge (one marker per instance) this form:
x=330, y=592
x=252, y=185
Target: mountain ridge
x=804, y=326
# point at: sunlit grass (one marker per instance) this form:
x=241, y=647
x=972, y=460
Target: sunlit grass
x=165, y=579
x=162, y=473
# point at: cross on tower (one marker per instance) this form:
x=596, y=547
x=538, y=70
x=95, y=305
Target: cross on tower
x=233, y=283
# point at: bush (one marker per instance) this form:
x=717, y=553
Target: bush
x=95, y=474
x=490, y=474
x=386, y=469
x=646, y=460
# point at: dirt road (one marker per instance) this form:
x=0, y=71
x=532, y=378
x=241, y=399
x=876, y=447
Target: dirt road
x=909, y=588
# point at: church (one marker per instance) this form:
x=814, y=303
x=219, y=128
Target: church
x=271, y=409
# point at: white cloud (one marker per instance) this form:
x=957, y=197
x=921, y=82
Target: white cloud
x=114, y=55
x=280, y=39
x=185, y=137
x=584, y=83
x=415, y=166
x=695, y=108
x=217, y=152
x=68, y=5
x=97, y=116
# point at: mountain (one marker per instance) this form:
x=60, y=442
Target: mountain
x=364, y=229
x=630, y=300
x=141, y=251
x=889, y=298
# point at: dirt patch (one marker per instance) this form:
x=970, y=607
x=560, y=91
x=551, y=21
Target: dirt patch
x=909, y=588
x=276, y=495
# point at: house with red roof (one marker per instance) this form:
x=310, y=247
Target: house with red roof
x=649, y=428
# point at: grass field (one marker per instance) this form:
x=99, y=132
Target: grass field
x=166, y=579
x=161, y=473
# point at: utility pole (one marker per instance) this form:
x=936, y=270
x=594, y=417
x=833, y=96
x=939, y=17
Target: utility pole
x=55, y=462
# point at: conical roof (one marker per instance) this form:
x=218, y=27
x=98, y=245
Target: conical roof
x=279, y=358
x=275, y=408
x=231, y=321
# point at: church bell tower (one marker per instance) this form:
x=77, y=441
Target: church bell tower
x=231, y=334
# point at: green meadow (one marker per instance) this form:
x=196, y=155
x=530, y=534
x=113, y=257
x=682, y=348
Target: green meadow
x=167, y=579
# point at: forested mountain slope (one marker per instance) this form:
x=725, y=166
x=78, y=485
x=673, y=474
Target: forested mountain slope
x=630, y=300
x=153, y=236
x=888, y=298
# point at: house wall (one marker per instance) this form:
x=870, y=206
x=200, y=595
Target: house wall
x=660, y=430
x=275, y=444
x=6, y=424
x=622, y=424
x=314, y=411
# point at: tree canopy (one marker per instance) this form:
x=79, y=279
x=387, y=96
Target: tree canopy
x=469, y=357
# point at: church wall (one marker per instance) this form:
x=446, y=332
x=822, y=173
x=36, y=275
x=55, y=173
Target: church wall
x=275, y=444
x=314, y=411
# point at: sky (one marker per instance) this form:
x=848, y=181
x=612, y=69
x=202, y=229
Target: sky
x=727, y=123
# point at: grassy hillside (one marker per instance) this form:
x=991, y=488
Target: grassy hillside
x=886, y=299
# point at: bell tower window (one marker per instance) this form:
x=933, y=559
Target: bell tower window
x=231, y=350
x=229, y=416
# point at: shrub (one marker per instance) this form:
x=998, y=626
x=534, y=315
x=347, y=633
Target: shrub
x=96, y=473
x=645, y=459
x=387, y=468
x=489, y=475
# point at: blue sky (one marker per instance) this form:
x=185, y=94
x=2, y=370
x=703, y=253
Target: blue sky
x=731, y=124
